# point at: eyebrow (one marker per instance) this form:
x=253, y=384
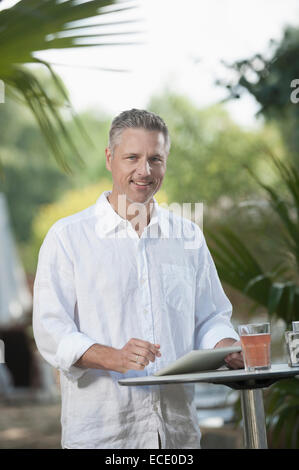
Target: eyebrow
x=138, y=154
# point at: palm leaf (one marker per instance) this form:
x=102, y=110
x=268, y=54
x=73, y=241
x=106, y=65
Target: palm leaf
x=237, y=267
x=290, y=177
x=31, y=26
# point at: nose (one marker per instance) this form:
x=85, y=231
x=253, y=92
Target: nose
x=143, y=168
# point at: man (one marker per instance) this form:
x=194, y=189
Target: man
x=119, y=293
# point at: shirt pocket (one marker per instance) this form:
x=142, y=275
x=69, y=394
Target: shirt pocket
x=178, y=287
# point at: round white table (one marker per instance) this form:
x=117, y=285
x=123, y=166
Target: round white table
x=250, y=385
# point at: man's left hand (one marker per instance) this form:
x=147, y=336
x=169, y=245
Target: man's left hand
x=233, y=360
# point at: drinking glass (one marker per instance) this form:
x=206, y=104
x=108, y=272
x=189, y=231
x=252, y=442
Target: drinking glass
x=255, y=340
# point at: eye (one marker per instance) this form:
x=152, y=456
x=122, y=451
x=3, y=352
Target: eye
x=156, y=159
x=131, y=157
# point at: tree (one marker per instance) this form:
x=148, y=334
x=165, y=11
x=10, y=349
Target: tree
x=272, y=79
x=31, y=26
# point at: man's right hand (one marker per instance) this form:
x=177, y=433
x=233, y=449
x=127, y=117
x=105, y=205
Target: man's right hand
x=135, y=354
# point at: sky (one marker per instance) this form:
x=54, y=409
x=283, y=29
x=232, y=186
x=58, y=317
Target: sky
x=182, y=46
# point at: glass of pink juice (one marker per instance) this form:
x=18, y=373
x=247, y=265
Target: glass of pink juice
x=256, y=341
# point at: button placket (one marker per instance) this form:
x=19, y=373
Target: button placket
x=146, y=307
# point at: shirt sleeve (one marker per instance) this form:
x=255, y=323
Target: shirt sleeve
x=54, y=304
x=213, y=310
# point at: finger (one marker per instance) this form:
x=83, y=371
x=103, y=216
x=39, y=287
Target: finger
x=232, y=356
x=235, y=361
x=147, y=346
x=144, y=353
x=235, y=364
x=152, y=348
x=135, y=365
x=138, y=359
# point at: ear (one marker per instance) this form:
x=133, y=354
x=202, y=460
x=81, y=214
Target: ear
x=108, y=158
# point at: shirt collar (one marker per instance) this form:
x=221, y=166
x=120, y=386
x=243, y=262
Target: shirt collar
x=110, y=222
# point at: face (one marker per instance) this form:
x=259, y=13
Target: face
x=138, y=164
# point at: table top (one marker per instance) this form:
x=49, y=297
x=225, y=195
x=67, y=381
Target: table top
x=237, y=379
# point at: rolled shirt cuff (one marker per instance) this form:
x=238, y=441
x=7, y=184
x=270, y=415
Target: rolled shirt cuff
x=69, y=350
x=213, y=336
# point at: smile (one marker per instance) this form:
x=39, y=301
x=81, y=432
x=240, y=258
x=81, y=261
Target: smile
x=140, y=183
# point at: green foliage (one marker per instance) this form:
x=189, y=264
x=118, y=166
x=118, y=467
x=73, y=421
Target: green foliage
x=26, y=186
x=285, y=208
x=30, y=178
x=97, y=125
x=268, y=78
x=31, y=26
x=209, y=152
x=283, y=414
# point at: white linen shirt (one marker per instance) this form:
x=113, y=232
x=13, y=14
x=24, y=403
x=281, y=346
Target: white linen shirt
x=97, y=281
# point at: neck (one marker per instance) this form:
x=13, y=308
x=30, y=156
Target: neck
x=137, y=213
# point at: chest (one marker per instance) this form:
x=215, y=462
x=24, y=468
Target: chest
x=124, y=266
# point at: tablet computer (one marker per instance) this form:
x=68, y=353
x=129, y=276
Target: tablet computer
x=198, y=360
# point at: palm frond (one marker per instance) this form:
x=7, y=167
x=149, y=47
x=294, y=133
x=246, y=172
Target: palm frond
x=285, y=210
x=32, y=26
x=238, y=267
x=46, y=112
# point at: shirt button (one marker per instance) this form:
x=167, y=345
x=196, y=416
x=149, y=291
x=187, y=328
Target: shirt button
x=155, y=408
x=145, y=312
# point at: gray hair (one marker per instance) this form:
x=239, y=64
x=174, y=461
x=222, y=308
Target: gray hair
x=137, y=119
